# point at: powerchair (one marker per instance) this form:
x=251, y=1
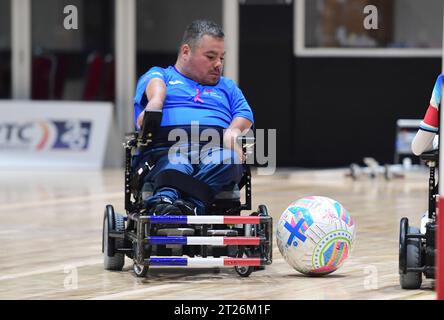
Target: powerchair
x=417, y=248
x=223, y=237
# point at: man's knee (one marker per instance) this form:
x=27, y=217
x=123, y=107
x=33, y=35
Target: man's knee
x=163, y=164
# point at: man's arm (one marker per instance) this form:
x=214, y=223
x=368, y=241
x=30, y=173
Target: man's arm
x=156, y=93
x=237, y=127
x=423, y=141
x=428, y=128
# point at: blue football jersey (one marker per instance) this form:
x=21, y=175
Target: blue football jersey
x=187, y=101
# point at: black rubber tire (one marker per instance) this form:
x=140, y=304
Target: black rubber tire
x=412, y=280
x=403, y=228
x=117, y=261
x=244, y=271
x=139, y=270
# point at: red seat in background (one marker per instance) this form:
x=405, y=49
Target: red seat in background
x=61, y=70
x=95, y=64
x=108, y=74
x=41, y=77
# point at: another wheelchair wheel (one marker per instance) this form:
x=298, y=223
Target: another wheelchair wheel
x=244, y=271
x=412, y=279
x=112, y=222
x=140, y=270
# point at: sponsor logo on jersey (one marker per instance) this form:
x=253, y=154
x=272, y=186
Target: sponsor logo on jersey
x=175, y=82
x=211, y=93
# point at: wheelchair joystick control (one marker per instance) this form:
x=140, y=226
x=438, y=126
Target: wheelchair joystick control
x=150, y=125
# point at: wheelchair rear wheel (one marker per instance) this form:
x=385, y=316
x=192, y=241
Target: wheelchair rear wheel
x=112, y=222
x=403, y=228
x=412, y=279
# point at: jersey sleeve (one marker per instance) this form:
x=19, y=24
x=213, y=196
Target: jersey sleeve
x=140, y=99
x=431, y=119
x=240, y=106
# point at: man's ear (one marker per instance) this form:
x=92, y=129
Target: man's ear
x=185, y=51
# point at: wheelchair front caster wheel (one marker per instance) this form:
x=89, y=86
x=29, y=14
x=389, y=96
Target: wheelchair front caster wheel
x=244, y=271
x=140, y=270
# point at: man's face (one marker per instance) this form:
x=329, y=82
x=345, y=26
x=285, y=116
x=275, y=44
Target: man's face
x=205, y=61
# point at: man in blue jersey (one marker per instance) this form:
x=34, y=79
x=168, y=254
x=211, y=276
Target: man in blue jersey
x=191, y=92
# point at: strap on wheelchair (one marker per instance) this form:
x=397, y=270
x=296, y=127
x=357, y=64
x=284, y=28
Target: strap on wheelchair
x=186, y=184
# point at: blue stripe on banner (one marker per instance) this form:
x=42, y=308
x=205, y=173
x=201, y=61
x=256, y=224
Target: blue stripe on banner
x=169, y=219
x=168, y=261
x=167, y=240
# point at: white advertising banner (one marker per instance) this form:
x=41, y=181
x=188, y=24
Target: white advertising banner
x=53, y=134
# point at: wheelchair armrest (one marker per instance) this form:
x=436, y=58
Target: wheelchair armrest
x=247, y=143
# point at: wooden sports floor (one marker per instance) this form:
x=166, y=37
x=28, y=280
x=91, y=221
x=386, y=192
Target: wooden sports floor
x=51, y=228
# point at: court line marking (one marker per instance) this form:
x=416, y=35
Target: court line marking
x=71, y=200
x=139, y=291
x=9, y=231
x=60, y=267
x=144, y=290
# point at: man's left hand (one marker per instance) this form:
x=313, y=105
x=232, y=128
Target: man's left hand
x=230, y=142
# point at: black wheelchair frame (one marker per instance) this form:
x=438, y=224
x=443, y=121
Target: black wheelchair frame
x=417, y=251
x=230, y=239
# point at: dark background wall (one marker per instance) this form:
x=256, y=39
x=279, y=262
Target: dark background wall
x=328, y=111
x=266, y=74
x=346, y=108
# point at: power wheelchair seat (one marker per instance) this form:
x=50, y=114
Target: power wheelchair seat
x=221, y=238
x=417, y=250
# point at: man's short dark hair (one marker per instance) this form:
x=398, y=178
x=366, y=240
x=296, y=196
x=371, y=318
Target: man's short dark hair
x=198, y=28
